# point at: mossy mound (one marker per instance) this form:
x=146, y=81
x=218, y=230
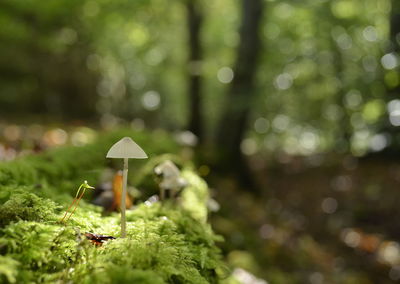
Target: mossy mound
x=166, y=242
x=163, y=242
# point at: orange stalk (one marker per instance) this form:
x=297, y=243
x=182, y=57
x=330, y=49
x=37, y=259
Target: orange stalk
x=76, y=200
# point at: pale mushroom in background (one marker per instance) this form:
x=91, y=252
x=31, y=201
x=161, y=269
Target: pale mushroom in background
x=171, y=178
x=125, y=149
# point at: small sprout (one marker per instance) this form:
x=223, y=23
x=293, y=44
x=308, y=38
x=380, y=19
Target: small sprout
x=170, y=179
x=125, y=149
x=76, y=200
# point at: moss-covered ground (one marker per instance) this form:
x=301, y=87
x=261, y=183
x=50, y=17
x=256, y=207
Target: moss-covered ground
x=167, y=242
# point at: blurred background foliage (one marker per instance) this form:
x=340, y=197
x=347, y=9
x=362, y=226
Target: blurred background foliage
x=297, y=99
x=323, y=75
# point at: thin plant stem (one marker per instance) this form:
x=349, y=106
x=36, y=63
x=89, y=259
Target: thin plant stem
x=76, y=206
x=66, y=212
x=73, y=202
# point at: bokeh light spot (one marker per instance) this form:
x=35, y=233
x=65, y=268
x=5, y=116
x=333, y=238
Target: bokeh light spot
x=151, y=100
x=248, y=146
x=351, y=238
x=389, y=61
x=329, y=205
x=261, y=125
x=283, y=81
x=225, y=75
x=370, y=34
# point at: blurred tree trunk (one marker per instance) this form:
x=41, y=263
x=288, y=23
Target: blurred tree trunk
x=345, y=129
x=393, y=92
x=395, y=40
x=242, y=91
x=194, y=21
x=395, y=26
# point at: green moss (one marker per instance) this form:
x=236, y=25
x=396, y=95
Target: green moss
x=195, y=195
x=8, y=269
x=78, y=163
x=26, y=206
x=124, y=274
x=166, y=242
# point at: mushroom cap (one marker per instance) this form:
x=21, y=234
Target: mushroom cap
x=126, y=148
x=168, y=169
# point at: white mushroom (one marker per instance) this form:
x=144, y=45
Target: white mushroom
x=171, y=178
x=125, y=149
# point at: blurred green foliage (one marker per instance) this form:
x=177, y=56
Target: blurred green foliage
x=74, y=164
x=325, y=69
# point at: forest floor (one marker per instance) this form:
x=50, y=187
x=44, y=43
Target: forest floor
x=323, y=219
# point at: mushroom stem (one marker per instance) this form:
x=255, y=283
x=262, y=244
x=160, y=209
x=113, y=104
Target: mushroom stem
x=162, y=194
x=123, y=198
